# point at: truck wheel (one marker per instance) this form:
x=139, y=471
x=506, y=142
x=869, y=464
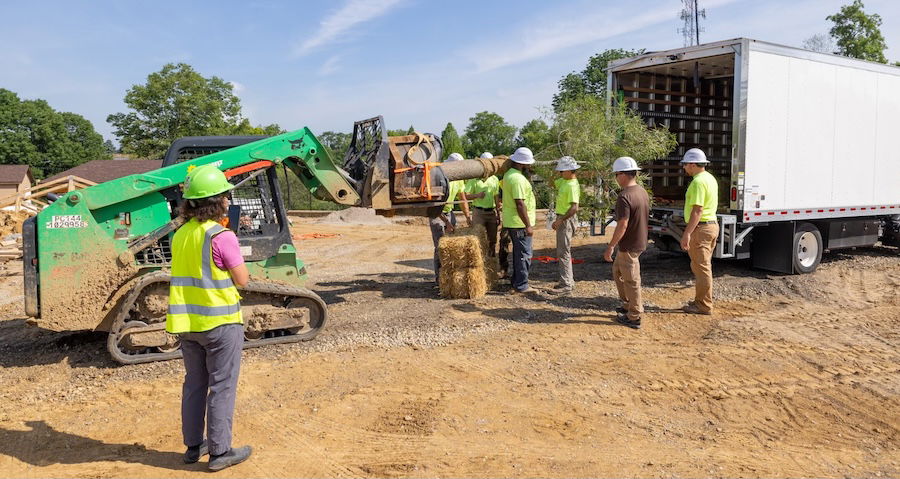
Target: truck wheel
x=807, y=251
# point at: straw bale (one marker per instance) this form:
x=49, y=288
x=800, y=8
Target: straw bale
x=464, y=248
x=463, y=283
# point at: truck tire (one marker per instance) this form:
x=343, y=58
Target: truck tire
x=807, y=248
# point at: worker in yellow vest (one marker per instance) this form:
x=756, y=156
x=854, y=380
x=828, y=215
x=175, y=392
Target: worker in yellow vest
x=205, y=312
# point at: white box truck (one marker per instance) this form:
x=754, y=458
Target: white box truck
x=805, y=145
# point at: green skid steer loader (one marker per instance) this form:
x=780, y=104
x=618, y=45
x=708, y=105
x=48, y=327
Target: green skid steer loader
x=98, y=258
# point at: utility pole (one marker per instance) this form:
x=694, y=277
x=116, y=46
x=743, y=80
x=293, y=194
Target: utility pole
x=690, y=15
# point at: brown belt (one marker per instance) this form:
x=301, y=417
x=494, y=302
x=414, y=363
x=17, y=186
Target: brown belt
x=707, y=222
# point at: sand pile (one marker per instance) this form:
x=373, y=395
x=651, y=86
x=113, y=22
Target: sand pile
x=11, y=222
x=354, y=216
x=467, y=272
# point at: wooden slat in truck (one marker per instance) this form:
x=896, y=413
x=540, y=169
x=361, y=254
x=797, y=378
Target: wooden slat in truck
x=803, y=145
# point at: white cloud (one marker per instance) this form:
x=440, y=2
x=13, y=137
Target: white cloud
x=237, y=87
x=353, y=13
x=585, y=27
x=330, y=66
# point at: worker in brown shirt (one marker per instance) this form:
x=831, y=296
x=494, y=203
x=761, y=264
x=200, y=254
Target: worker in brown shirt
x=632, y=213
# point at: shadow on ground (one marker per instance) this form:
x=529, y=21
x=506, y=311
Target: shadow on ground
x=43, y=445
x=22, y=345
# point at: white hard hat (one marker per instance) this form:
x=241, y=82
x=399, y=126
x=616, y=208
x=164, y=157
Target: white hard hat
x=454, y=157
x=625, y=163
x=694, y=155
x=487, y=155
x=566, y=163
x=523, y=156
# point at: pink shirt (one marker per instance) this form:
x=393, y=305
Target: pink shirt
x=226, y=251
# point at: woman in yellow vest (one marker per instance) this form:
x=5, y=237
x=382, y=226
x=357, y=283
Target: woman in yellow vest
x=205, y=312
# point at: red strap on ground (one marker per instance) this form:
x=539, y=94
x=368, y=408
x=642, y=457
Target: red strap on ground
x=315, y=236
x=551, y=259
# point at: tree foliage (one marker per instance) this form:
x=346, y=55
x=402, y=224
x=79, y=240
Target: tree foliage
x=175, y=102
x=819, y=43
x=32, y=133
x=857, y=34
x=488, y=131
x=595, y=135
x=338, y=143
x=451, y=141
x=536, y=135
x=591, y=80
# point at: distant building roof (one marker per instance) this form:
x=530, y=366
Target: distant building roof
x=14, y=173
x=99, y=171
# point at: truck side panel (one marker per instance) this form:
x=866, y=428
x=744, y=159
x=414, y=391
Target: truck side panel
x=819, y=135
x=887, y=169
x=767, y=130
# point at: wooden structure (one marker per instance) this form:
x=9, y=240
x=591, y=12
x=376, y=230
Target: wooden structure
x=34, y=199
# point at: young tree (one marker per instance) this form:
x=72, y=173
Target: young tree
x=175, y=102
x=411, y=130
x=488, y=131
x=857, y=34
x=32, y=133
x=451, y=140
x=596, y=135
x=591, y=80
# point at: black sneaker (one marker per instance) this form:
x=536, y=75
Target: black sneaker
x=194, y=453
x=621, y=310
x=233, y=457
x=623, y=320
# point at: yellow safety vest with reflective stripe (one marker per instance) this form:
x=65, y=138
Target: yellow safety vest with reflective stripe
x=201, y=295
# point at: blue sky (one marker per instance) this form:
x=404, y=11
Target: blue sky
x=325, y=64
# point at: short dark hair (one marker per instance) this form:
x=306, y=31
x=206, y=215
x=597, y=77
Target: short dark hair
x=204, y=209
x=631, y=173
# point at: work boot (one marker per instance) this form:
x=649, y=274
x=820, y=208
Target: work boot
x=623, y=320
x=561, y=290
x=194, y=453
x=692, y=308
x=233, y=457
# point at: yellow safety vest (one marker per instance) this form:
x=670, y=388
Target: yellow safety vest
x=201, y=295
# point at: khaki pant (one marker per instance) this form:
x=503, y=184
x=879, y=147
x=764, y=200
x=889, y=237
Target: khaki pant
x=700, y=249
x=627, y=275
x=564, y=251
x=488, y=219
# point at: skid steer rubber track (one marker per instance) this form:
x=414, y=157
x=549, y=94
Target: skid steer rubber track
x=125, y=322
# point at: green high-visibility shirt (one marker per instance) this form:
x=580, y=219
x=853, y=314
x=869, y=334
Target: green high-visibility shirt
x=456, y=187
x=567, y=192
x=703, y=191
x=489, y=187
x=517, y=187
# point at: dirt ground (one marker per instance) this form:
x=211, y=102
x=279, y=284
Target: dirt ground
x=793, y=376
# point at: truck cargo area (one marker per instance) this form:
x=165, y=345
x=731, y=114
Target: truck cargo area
x=693, y=100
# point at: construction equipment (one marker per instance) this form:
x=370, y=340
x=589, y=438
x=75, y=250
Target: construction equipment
x=98, y=258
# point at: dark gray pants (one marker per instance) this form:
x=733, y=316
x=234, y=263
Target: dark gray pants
x=437, y=231
x=212, y=363
x=521, y=257
x=503, y=253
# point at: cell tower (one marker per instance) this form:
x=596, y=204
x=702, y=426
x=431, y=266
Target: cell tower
x=691, y=16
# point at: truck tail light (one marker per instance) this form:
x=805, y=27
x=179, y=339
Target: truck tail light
x=733, y=193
